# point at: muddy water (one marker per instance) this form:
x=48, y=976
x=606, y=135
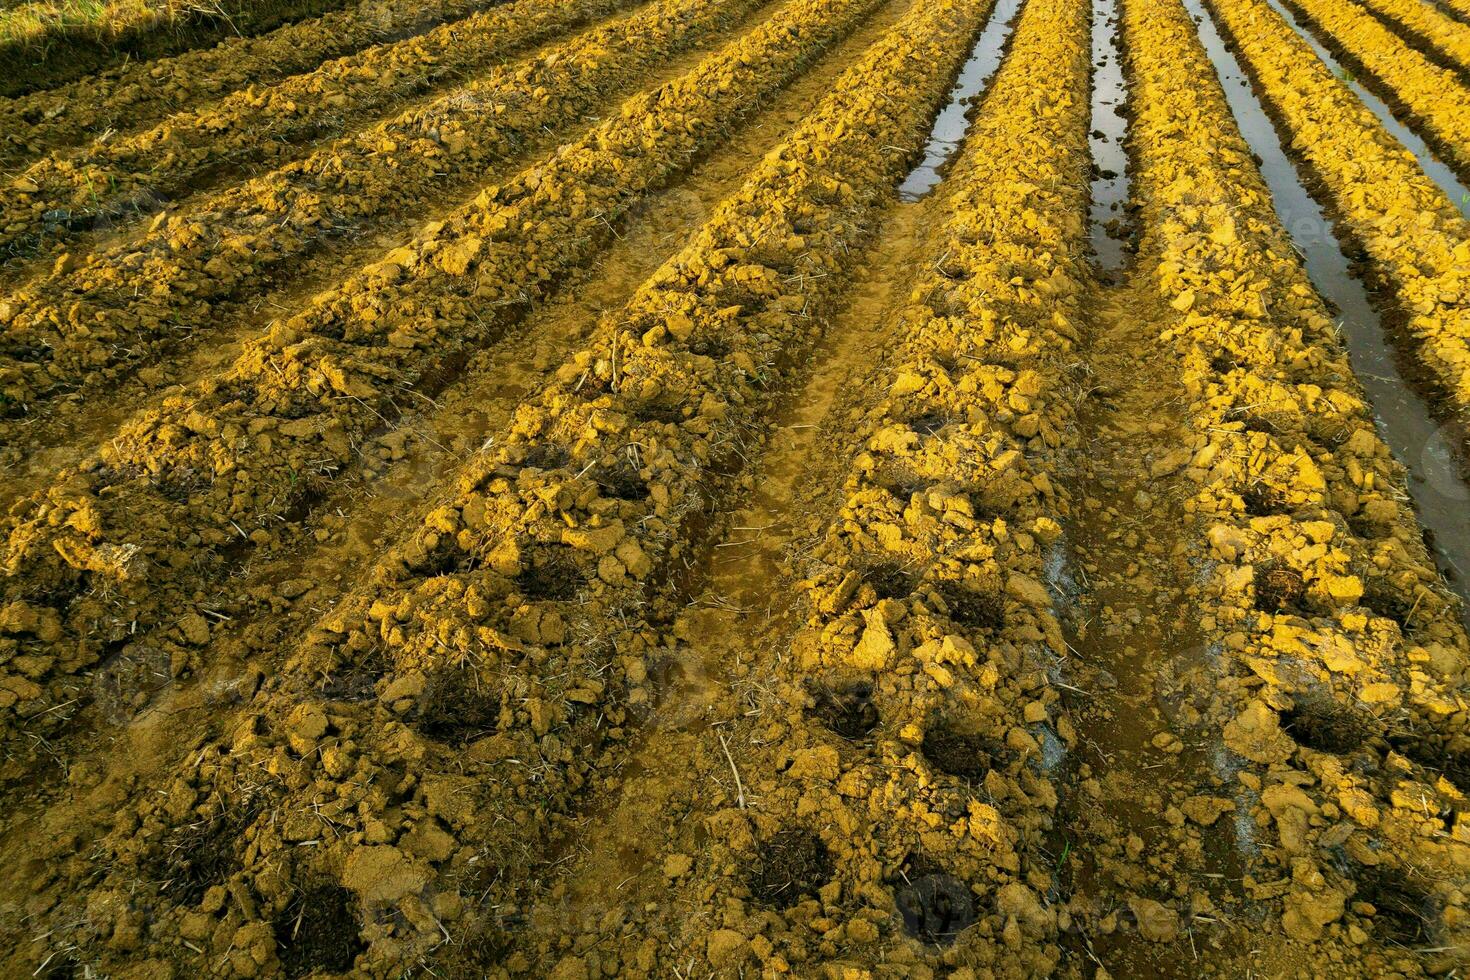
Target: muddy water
x=1139, y=670
x=1455, y=189
x=949, y=127
x=1403, y=416
x=1109, y=157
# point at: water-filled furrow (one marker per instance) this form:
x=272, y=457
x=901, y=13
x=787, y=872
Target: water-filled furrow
x=1456, y=189
x=1404, y=418
x=1109, y=191
x=948, y=131
x=1443, y=42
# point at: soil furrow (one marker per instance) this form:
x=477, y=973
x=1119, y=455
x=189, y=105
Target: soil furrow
x=873, y=785
x=1150, y=868
x=129, y=178
x=1458, y=9
x=583, y=512
x=402, y=469
x=66, y=429
x=713, y=488
x=737, y=625
x=1436, y=169
x=232, y=465
x=1404, y=414
x=1416, y=242
x=949, y=127
x=1431, y=100
x=1441, y=39
x=67, y=49
x=92, y=321
x=137, y=95
x=1312, y=606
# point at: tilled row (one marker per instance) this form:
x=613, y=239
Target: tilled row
x=58, y=48
x=132, y=176
x=137, y=95
x=1437, y=101
x=120, y=307
x=259, y=613
x=188, y=489
x=1443, y=37
x=428, y=731
x=1416, y=239
x=903, y=754
x=1339, y=652
x=1458, y=8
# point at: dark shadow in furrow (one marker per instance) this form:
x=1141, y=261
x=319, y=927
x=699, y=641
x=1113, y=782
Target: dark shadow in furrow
x=1419, y=42
x=75, y=52
x=1439, y=172
x=1404, y=418
x=389, y=32
x=948, y=131
x=1448, y=11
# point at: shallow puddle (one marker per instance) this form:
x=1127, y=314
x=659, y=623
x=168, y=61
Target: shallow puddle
x=1403, y=417
x=1109, y=128
x=1139, y=664
x=953, y=120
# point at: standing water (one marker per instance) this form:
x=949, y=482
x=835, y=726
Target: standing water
x=1454, y=188
x=1403, y=416
x=949, y=128
x=1109, y=156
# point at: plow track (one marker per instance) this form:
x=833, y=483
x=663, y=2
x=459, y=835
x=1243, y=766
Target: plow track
x=586, y=488
x=137, y=175
x=89, y=323
x=140, y=94
x=47, y=44
x=1434, y=99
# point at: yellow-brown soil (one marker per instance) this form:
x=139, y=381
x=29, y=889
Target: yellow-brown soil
x=511, y=490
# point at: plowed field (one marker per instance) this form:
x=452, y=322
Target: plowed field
x=687, y=488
